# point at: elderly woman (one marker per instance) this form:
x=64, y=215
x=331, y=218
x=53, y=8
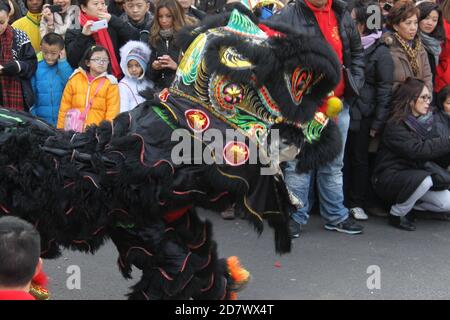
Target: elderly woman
x=17, y=65
x=407, y=175
x=407, y=50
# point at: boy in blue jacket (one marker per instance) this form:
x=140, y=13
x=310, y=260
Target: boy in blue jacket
x=52, y=74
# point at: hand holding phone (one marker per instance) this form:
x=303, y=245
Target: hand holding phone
x=99, y=25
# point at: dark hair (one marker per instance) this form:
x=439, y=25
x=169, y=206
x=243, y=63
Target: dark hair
x=403, y=97
x=442, y=96
x=178, y=16
x=20, y=248
x=425, y=9
x=83, y=2
x=88, y=54
x=362, y=16
x=4, y=6
x=402, y=10
x=53, y=39
x=445, y=7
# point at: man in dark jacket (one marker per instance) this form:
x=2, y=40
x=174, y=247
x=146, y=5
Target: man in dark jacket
x=137, y=14
x=330, y=20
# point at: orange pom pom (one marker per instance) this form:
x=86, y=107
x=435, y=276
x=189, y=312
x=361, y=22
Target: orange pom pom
x=239, y=275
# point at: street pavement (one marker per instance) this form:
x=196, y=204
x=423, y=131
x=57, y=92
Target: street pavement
x=322, y=265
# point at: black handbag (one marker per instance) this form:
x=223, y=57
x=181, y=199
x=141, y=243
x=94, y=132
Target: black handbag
x=439, y=175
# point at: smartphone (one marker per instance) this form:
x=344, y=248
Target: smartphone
x=387, y=6
x=55, y=8
x=98, y=25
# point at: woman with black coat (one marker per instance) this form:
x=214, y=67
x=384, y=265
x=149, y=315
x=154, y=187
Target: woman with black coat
x=168, y=21
x=405, y=174
x=368, y=112
x=113, y=38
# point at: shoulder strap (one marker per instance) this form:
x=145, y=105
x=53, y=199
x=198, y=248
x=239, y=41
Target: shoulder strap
x=88, y=106
x=130, y=91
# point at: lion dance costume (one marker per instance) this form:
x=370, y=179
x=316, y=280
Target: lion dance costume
x=119, y=181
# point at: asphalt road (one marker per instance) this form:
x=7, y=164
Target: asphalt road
x=322, y=265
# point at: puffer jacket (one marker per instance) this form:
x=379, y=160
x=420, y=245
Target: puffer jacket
x=375, y=95
x=79, y=91
x=129, y=87
x=48, y=85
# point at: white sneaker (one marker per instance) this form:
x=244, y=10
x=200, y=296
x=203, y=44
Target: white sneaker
x=358, y=213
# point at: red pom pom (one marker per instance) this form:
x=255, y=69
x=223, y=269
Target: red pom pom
x=40, y=279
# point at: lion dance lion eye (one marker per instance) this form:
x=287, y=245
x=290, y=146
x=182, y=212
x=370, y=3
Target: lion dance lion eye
x=300, y=83
x=232, y=93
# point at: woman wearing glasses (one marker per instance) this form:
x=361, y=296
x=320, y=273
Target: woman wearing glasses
x=405, y=45
x=406, y=174
x=91, y=89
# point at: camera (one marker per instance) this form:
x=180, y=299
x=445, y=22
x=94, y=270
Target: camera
x=98, y=25
x=387, y=6
x=55, y=8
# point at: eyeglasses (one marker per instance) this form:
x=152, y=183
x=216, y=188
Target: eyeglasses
x=425, y=98
x=100, y=61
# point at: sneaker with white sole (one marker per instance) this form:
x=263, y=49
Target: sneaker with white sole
x=358, y=213
x=347, y=226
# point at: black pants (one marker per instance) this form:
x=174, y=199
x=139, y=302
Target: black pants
x=356, y=166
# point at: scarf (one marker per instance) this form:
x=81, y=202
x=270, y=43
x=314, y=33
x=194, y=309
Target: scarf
x=370, y=39
x=102, y=38
x=166, y=34
x=10, y=86
x=421, y=125
x=412, y=53
x=144, y=25
x=432, y=45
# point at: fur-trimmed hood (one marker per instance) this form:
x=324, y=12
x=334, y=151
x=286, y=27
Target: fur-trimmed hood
x=388, y=38
x=125, y=51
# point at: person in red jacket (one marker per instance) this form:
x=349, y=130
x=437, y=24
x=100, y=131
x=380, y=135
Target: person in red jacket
x=20, y=258
x=442, y=77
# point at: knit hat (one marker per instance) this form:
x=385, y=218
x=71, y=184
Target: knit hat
x=140, y=56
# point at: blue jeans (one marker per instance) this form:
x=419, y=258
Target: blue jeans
x=329, y=183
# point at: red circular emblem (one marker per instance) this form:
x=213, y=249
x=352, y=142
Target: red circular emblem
x=235, y=153
x=197, y=120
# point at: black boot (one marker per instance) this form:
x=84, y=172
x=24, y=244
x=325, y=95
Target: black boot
x=401, y=223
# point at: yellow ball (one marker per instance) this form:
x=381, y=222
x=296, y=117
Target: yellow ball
x=334, y=107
